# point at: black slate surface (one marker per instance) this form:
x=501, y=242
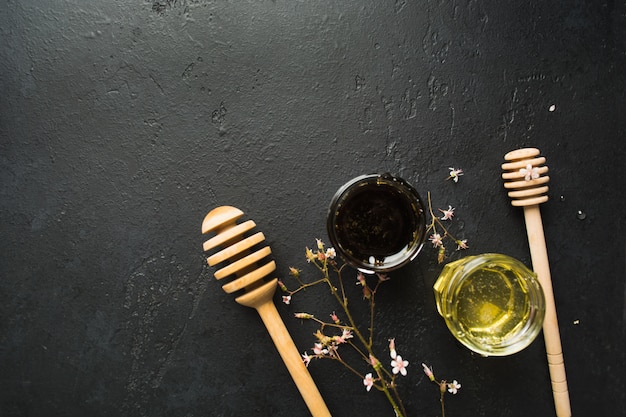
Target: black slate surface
x=123, y=123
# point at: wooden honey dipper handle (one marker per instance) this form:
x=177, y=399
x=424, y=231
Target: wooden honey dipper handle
x=250, y=266
x=551, y=334
x=285, y=346
x=526, y=181
x=293, y=361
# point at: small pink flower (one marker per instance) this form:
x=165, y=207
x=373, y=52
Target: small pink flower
x=368, y=381
x=392, y=348
x=399, y=365
x=454, y=174
x=429, y=372
x=304, y=316
x=306, y=358
x=529, y=172
x=346, y=334
x=318, y=349
x=461, y=244
x=334, y=318
x=447, y=214
x=286, y=299
x=436, y=240
x=453, y=387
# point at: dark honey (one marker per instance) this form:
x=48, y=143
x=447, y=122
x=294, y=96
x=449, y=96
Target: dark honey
x=377, y=222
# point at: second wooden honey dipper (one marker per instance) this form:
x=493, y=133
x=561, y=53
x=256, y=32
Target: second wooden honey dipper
x=251, y=266
x=524, y=176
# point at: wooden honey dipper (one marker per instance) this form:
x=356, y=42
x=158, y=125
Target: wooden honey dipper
x=524, y=175
x=250, y=266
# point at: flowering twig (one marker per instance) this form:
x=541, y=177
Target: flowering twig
x=437, y=238
x=333, y=334
x=452, y=387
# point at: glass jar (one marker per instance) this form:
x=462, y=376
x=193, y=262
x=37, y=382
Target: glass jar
x=376, y=222
x=491, y=303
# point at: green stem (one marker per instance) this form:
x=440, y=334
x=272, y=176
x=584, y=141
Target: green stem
x=371, y=341
x=342, y=299
x=385, y=389
x=443, y=411
x=344, y=304
x=305, y=286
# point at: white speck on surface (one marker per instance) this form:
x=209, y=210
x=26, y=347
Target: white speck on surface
x=552, y=108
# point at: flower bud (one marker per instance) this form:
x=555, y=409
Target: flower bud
x=392, y=348
x=441, y=254
x=429, y=372
x=310, y=256
x=367, y=293
x=375, y=362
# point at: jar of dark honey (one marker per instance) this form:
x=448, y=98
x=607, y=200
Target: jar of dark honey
x=377, y=222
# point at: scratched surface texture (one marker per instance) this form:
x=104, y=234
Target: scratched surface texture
x=123, y=123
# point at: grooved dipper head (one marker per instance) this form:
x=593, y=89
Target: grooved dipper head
x=525, y=177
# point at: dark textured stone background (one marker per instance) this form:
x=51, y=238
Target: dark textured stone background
x=123, y=123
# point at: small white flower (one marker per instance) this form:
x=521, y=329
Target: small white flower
x=529, y=172
x=331, y=253
x=453, y=387
x=399, y=365
x=368, y=381
x=455, y=174
x=461, y=244
x=306, y=358
x=286, y=299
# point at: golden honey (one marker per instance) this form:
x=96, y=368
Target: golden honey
x=491, y=303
